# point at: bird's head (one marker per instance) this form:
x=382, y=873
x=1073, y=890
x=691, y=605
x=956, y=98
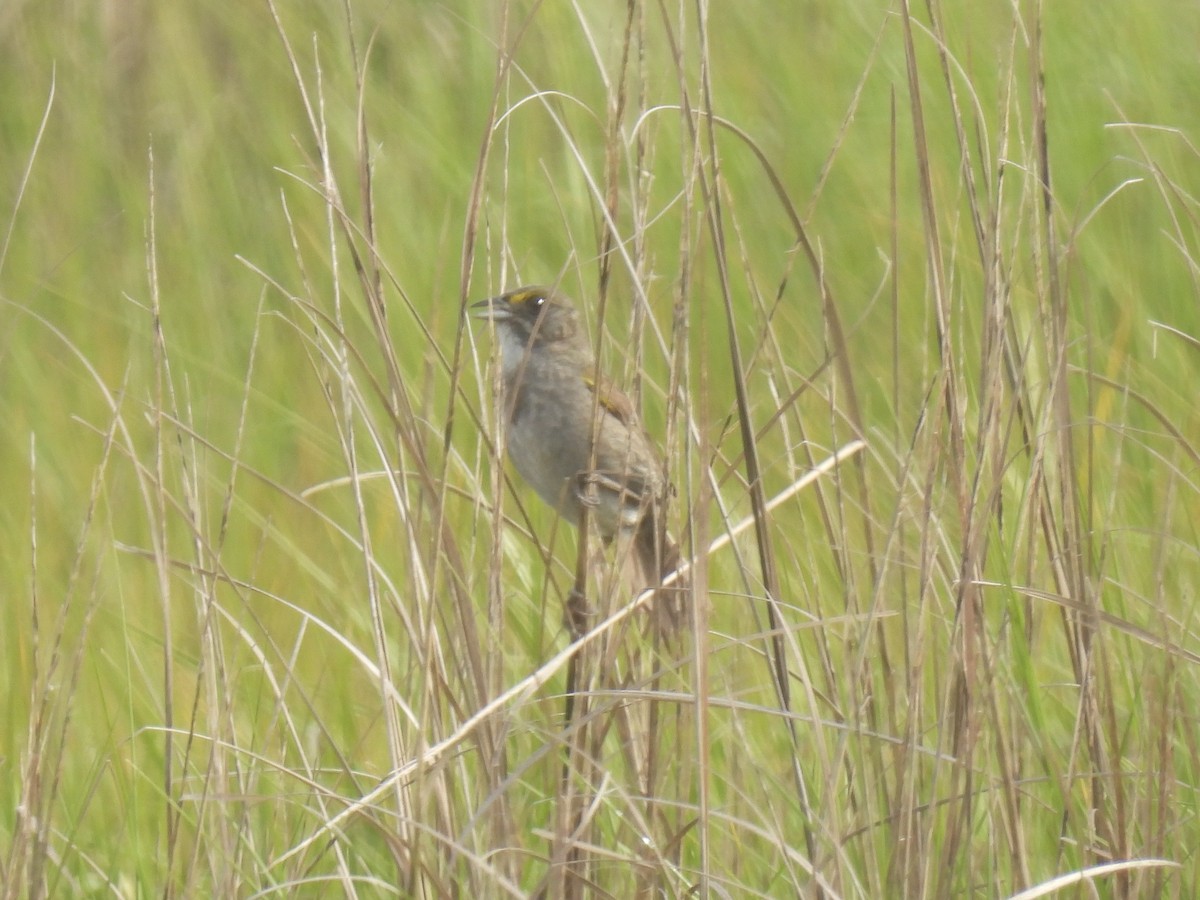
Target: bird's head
x=533, y=314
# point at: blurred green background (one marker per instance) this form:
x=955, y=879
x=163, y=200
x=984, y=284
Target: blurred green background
x=107, y=105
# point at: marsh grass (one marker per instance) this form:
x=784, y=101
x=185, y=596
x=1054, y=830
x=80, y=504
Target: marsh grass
x=920, y=349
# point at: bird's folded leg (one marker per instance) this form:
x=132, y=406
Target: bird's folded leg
x=576, y=613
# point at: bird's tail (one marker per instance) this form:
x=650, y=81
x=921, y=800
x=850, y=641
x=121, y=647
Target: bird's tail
x=656, y=560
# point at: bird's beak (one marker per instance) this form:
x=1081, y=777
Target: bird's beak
x=496, y=309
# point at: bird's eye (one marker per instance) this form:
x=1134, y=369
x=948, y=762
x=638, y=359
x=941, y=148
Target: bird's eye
x=538, y=299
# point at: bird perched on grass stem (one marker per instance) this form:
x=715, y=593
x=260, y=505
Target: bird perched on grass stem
x=574, y=437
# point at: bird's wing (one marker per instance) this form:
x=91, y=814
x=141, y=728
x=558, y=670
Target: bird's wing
x=612, y=399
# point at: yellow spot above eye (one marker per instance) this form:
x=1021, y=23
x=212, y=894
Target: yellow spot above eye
x=532, y=298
